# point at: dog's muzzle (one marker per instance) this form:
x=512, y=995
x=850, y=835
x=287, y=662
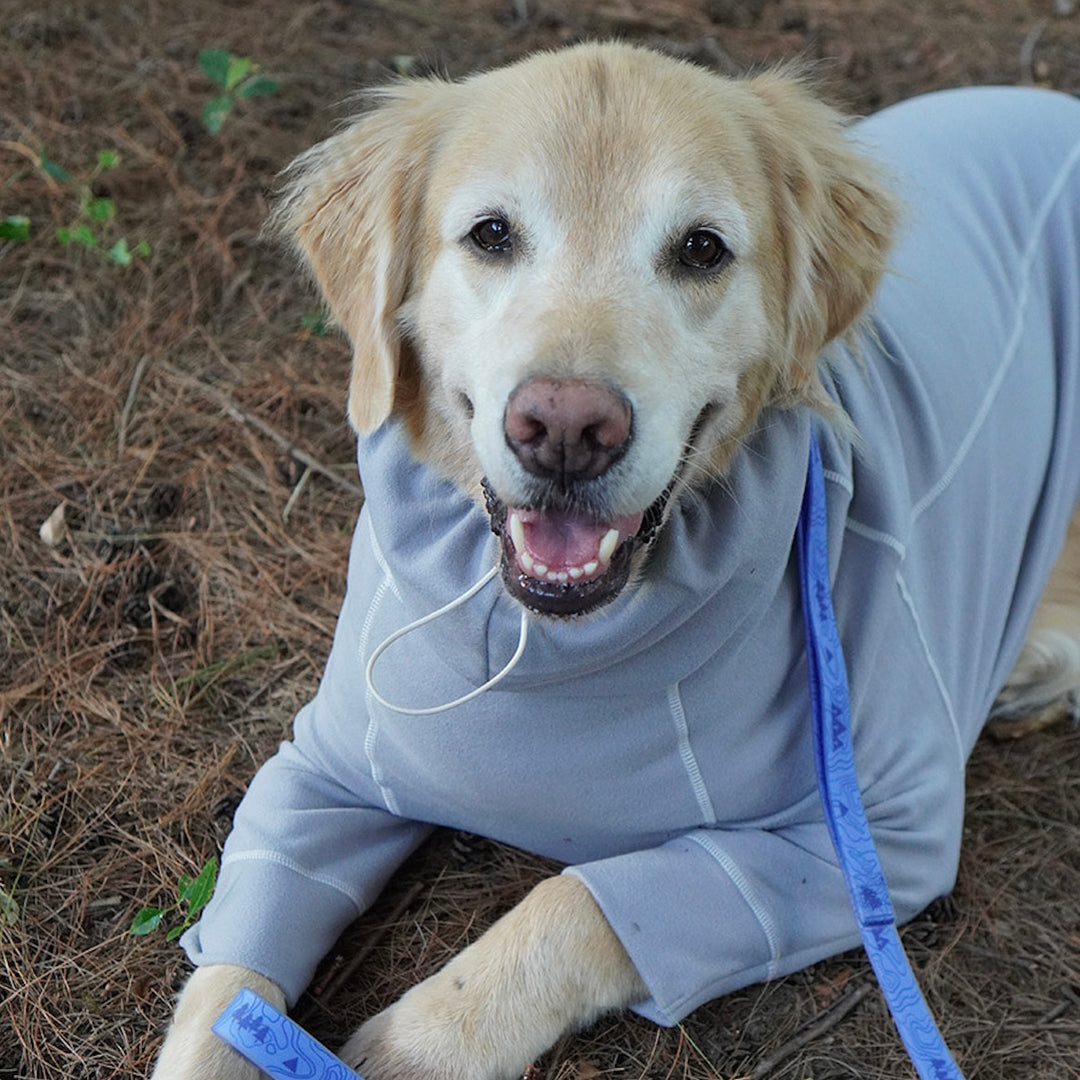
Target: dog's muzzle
x=558, y=562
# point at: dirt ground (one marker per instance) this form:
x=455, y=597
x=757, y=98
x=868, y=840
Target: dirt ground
x=186, y=411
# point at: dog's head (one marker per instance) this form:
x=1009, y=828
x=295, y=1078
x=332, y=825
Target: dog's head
x=581, y=278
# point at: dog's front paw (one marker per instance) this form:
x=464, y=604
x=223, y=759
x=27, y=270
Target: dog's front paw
x=549, y=966
x=191, y=1050
x=441, y=1030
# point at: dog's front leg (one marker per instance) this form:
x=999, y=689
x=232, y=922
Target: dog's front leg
x=191, y=1050
x=549, y=966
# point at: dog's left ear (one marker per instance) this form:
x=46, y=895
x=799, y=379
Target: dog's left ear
x=352, y=210
x=835, y=218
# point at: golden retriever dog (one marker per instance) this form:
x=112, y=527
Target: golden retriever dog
x=590, y=298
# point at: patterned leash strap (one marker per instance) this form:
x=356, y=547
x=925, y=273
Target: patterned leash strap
x=275, y=1044
x=842, y=800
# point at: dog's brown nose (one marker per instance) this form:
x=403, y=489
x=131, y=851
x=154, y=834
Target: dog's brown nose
x=567, y=429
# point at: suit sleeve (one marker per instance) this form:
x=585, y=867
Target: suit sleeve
x=305, y=858
x=312, y=843
x=718, y=909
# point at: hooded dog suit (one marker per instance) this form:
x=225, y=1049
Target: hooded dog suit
x=662, y=749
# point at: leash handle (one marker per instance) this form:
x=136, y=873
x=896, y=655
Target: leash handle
x=274, y=1044
x=834, y=760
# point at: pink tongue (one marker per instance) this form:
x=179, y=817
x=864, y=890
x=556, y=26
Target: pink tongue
x=559, y=540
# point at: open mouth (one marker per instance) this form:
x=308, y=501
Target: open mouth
x=558, y=561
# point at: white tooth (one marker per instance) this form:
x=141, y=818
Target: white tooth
x=526, y=561
x=552, y=576
x=539, y=569
x=608, y=545
x=590, y=568
x=563, y=577
x=517, y=533
x=575, y=572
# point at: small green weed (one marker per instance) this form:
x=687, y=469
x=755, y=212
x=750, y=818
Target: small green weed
x=92, y=227
x=315, y=323
x=238, y=79
x=16, y=227
x=199, y=681
x=192, y=895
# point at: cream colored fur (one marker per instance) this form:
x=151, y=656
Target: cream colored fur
x=1045, y=683
x=604, y=154
x=191, y=1049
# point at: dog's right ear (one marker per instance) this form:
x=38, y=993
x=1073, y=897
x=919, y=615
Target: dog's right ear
x=352, y=210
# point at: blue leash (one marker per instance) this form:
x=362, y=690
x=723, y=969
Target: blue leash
x=277, y=1046
x=841, y=798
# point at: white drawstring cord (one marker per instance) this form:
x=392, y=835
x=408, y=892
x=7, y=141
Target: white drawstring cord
x=465, y=597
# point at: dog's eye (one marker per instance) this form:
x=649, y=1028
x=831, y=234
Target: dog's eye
x=703, y=249
x=492, y=235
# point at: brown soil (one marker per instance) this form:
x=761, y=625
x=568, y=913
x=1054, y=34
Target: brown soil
x=153, y=657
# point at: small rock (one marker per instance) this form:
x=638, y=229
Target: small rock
x=54, y=528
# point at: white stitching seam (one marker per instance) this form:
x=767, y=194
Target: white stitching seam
x=934, y=670
x=876, y=536
x=738, y=879
x=296, y=868
x=380, y=558
x=839, y=479
x=385, y=583
x=686, y=752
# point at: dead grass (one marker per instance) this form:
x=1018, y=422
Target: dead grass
x=153, y=658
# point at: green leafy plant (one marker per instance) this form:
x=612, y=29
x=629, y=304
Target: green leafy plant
x=15, y=227
x=91, y=228
x=192, y=895
x=237, y=77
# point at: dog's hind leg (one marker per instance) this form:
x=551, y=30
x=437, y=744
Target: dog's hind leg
x=1045, y=683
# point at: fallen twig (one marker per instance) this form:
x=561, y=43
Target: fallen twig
x=242, y=416
x=129, y=403
x=1027, y=51
x=812, y=1030
x=31, y=155
x=296, y=492
x=320, y=996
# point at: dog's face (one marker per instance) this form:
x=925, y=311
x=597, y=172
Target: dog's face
x=581, y=278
